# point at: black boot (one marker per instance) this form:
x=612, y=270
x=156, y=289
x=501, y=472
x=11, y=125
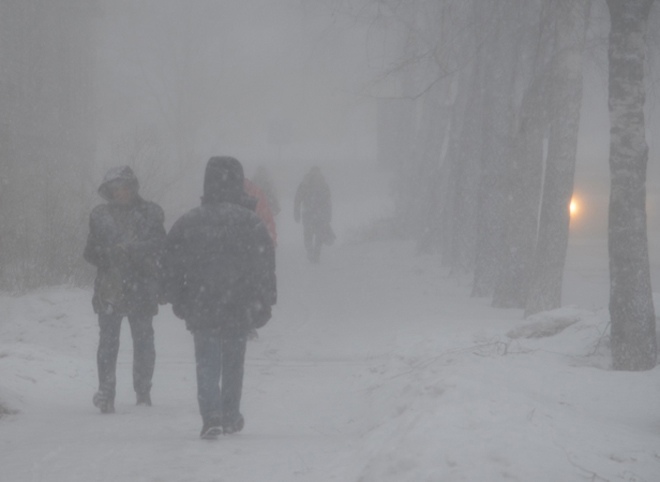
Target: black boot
x=144, y=399
x=103, y=403
x=233, y=424
x=211, y=429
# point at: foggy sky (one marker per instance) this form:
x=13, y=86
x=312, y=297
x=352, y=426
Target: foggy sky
x=284, y=83
x=253, y=73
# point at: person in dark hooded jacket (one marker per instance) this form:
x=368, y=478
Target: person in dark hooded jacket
x=220, y=279
x=125, y=243
x=313, y=205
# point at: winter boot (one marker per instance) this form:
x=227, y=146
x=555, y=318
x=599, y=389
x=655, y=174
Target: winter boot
x=211, y=430
x=144, y=399
x=233, y=424
x=103, y=403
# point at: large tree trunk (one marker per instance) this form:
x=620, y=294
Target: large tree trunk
x=462, y=161
x=532, y=65
x=634, y=345
x=525, y=178
x=461, y=197
x=436, y=124
x=564, y=111
x=498, y=58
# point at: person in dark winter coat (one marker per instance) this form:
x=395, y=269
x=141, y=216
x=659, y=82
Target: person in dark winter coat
x=126, y=241
x=220, y=279
x=313, y=205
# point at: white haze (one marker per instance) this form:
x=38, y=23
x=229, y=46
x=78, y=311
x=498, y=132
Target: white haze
x=271, y=83
x=377, y=365
x=283, y=84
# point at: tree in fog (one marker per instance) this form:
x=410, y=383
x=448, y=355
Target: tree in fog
x=414, y=113
x=497, y=57
x=429, y=121
x=462, y=175
x=466, y=137
x=634, y=345
x=564, y=102
x=46, y=139
x=483, y=146
x=523, y=172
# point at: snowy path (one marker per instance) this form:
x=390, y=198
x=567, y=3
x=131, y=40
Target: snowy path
x=300, y=397
x=361, y=375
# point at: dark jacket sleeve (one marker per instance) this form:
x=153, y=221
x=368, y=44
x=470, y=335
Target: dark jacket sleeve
x=148, y=248
x=173, y=276
x=265, y=279
x=96, y=251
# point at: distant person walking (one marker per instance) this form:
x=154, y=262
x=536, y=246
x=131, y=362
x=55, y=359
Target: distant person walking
x=220, y=278
x=313, y=205
x=125, y=243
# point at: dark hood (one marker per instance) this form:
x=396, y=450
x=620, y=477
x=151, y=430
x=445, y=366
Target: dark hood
x=115, y=175
x=223, y=181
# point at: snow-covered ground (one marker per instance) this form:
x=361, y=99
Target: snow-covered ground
x=377, y=366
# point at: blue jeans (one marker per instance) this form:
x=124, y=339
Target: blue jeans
x=218, y=357
x=144, y=352
x=313, y=242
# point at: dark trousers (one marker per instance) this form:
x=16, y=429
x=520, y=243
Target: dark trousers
x=144, y=352
x=313, y=241
x=219, y=357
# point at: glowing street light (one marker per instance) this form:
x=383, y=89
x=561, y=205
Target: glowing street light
x=575, y=209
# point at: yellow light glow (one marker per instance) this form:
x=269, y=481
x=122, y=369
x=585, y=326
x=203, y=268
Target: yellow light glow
x=574, y=208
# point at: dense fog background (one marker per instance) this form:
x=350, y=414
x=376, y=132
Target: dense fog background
x=368, y=90
x=275, y=84
x=464, y=326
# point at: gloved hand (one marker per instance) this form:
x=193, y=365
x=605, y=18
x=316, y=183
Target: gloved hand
x=259, y=314
x=180, y=311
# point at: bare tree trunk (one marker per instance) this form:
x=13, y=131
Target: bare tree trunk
x=435, y=123
x=525, y=178
x=498, y=56
x=634, y=344
x=463, y=174
x=524, y=168
x=564, y=111
x=463, y=153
